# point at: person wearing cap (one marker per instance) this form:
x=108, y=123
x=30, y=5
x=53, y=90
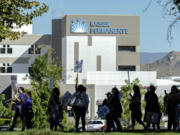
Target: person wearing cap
x=19, y=101
x=27, y=112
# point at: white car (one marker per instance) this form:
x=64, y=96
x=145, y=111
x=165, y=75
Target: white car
x=96, y=125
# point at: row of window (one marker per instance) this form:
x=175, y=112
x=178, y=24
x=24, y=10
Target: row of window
x=9, y=69
x=127, y=48
x=4, y=48
x=126, y=68
x=33, y=50
x=120, y=68
x=6, y=69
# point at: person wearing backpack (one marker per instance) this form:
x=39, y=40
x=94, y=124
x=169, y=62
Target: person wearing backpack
x=80, y=106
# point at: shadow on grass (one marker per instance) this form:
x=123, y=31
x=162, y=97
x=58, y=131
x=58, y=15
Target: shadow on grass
x=125, y=132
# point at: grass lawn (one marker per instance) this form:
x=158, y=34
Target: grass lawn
x=47, y=132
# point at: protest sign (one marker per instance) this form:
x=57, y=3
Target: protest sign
x=78, y=66
x=51, y=79
x=120, y=95
x=14, y=84
x=67, y=98
x=103, y=111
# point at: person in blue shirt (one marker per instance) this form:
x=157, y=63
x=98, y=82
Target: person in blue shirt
x=19, y=101
x=27, y=112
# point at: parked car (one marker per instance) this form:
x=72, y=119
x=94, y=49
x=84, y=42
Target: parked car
x=96, y=125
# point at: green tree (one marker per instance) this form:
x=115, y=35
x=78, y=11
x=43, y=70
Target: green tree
x=16, y=13
x=42, y=68
x=5, y=112
x=127, y=89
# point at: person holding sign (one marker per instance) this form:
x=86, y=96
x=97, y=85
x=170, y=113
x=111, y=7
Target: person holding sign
x=80, y=105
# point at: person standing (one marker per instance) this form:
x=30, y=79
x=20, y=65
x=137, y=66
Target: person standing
x=53, y=108
x=80, y=106
x=27, y=112
x=165, y=102
x=109, y=116
x=135, y=107
x=60, y=115
x=171, y=108
x=19, y=101
x=152, y=108
x=116, y=108
x=178, y=113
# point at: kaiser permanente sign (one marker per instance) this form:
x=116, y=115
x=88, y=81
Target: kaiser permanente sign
x=96, y=27
x=105, y=28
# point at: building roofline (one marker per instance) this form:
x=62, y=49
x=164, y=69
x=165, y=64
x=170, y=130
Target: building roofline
x=29, y=39
x=119, y=15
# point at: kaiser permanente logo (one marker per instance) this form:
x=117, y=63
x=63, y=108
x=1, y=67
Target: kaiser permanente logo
x=96, y=27
x=78, y=26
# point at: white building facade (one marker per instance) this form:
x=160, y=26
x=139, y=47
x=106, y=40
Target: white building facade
x=89, y=55
x=16, y=56
x=103, y=42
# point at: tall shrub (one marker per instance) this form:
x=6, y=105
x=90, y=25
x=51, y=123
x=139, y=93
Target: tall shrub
x=42, y=69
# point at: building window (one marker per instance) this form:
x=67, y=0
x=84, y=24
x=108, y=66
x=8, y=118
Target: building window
x=38, y=51
x=98, y=63
x=127, y=48
x=31, y=50
x=30, y=70
x=2, y=69
x=9, y=69
x=126, y=68
x=9, y=50
x=2, y=50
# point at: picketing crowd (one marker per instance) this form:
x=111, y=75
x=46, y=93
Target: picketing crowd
x=112, y=103
x=153, y=112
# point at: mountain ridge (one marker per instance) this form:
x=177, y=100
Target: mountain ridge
x=169, y=65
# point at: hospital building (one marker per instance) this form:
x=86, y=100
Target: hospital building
x=107, y=45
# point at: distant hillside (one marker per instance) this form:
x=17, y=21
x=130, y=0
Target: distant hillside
x=146, y=57
x=169, y=65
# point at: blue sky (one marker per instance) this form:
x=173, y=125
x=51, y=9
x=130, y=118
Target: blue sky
x=153, y=27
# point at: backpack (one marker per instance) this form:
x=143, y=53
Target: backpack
x=79, y=100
